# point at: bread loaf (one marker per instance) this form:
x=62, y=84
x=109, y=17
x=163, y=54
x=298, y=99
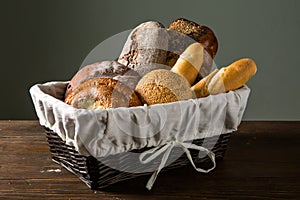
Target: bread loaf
x=163, y=86
x=200, y=88
x=227, y=78
x=146, y=44
x=190, y=62
x=102, y=93
x=99, y=69
x=182, y=33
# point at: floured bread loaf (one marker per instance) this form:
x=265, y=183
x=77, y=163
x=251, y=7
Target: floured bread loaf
x=163, y=86
x=146, y=44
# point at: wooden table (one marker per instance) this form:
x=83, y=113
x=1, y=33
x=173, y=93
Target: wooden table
x=262, y=162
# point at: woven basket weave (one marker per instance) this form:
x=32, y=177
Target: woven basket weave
x=97, y=175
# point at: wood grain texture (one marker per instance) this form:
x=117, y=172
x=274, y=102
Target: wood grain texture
x=261, y=162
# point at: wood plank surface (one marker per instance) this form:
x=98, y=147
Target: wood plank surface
x=262, y=162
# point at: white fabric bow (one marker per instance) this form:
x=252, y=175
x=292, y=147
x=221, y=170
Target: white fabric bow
x=156, y=151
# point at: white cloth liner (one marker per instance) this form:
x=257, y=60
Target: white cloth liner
x=106, y=132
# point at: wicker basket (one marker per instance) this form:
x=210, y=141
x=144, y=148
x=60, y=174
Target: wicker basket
x=89, y=144
x=97, y=175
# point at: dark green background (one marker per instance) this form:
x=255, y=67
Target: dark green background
x=48, y=40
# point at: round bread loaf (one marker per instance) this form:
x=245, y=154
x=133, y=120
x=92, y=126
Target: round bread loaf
x=102, y=93
x=163, y=86
x=104, y=69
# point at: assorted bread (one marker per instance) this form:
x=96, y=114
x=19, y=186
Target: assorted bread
x=158, y=65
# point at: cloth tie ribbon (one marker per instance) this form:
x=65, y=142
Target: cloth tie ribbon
x=166, y=149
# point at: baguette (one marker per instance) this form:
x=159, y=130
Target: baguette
x=200, y=88
x=226, y=79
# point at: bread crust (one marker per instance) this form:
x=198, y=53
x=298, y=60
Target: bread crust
x=155, y=94
x=189, y=63
x=182, y=33
x=95, y=70
x=163, y=86
x=102, y=93
x=199, y=33
x=227, y=78
x=201, y=88
x=146, y=44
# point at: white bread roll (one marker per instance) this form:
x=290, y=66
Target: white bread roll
x=190, y=61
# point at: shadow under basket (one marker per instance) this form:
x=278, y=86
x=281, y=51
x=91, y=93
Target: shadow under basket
x=97, y=175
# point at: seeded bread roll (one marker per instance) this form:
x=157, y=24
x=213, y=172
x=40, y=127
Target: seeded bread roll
x=102, y=93
x=163, y=86
x=111, y=69
x=182, y=33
